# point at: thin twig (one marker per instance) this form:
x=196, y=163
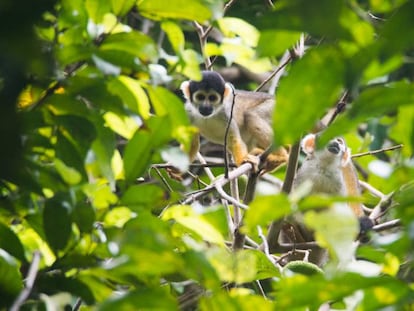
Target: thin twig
x=31, y=278
x=270, y=77
x=387, y=225
x=373, y=152
x=226, y=134
x=371, y=189
x=382, y=206
x=221, y=181
x=219, y=187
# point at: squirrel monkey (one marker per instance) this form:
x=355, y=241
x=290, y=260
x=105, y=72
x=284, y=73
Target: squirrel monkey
x=330, y=171
x=209, y=105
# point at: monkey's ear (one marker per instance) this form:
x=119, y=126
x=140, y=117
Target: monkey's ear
x=346, y=158
x=228, y=91
x=185, y=88
x=308, y=144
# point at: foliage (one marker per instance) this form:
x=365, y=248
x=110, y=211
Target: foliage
x=89, y=106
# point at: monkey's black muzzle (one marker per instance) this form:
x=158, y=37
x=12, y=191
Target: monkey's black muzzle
x=333, y=147
x=205, y=110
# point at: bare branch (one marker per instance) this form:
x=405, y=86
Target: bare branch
x=221, y=181
x=31, y=278
x=382, y=206
x=373, y=152
x=276, y=71
x=371, y=189
x=387, y=225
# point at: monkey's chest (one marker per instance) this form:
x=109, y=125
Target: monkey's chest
x=324, y=181
x=213, y=129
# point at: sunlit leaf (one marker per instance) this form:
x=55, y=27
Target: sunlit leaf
x=175, y=35
x=195, y=223
x=97, y=9
x=132, y=94
x=121, y=7
x=236, y=27
x=238, y=299
x=180, y=9
x=68, y=174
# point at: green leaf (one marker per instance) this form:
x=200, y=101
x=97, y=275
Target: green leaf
x=175, y=35
x=11, y=243
x=276, y=42
x=68, y=174
x=300, y=291
x=237, y=299
x=143, y=144
x=133, y=43
x=180, y=9
x=104, y=147
x=57, y=221
x=121, y=7
x=144, y=196
x=195, y=223
x=84, y=216
x=379, y=100
x=147, y=240
x=97, y=9
x=392, y=39
x=319, y=75
x=335, y=229
x=304, y=16
x=169, y=106
x=11, y=282
x=132, y=95
x=264, y=209
x=51, y=284
x=141, y=299
x=238, y=28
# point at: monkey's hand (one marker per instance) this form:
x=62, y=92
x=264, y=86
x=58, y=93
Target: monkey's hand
x=254, y=160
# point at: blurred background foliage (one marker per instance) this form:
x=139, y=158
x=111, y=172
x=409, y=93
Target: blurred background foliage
x=89, y=103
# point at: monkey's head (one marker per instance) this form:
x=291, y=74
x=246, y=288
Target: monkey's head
x=335, y=152
x=208, y=94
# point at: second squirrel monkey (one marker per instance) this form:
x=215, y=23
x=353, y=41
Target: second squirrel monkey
x=329, y=171
x=209, y=103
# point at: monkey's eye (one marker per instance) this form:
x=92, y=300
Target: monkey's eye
x=200, y=97
x=213, y=98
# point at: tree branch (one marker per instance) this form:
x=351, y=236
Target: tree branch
x=31, y=278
